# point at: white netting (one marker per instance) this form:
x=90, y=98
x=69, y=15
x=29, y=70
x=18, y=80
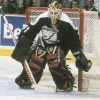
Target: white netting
x=91, y=31
x=92, y=48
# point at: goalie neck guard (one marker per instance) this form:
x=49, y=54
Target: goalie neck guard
x=55, y=10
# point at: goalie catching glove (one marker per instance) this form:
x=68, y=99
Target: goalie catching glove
x=22, y=49
x=81, y=61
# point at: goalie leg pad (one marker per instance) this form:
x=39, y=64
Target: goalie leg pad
x=37, y=62
x=60, y=73
x=21, y=50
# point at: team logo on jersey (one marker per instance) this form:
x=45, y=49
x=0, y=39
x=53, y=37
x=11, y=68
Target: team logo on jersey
x=49, y=35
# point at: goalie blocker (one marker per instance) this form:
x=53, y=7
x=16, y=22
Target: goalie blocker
x=81, y=61
x=22, y=48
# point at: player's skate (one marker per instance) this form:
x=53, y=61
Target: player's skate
x=23, y=81
x=66, y=87
x=25, y=84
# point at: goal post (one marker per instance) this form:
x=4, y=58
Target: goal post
x=88, y=25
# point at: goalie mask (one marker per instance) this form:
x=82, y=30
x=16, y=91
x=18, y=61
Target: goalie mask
x=55, y=10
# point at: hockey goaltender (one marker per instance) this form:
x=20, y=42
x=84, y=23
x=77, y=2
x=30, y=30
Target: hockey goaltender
x=58, y=36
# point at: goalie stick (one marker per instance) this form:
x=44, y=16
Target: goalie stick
x=26, y=66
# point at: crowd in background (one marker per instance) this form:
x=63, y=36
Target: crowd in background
x=20, y=6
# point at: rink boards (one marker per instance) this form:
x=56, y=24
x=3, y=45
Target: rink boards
x=6, y=50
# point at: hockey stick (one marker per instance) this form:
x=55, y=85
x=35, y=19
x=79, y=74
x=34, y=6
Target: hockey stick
x=26, y=66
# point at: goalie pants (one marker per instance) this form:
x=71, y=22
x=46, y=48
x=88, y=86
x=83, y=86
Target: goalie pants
x=54, y=57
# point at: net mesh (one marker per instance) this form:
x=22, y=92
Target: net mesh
x=88, y=24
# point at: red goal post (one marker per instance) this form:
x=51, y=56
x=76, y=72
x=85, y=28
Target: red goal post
x=85, y=22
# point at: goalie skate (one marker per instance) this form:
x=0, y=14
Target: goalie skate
x=69, y=89
x=25, y=85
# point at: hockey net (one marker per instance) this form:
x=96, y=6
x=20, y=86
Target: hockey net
x=87, y=23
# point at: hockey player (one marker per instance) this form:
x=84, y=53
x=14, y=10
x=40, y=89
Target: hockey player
x=58, y=36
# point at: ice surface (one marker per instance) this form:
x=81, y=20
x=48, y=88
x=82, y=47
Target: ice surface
x=10, y=69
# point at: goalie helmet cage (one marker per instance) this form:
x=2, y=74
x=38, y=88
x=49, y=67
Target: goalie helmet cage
x=87, y=23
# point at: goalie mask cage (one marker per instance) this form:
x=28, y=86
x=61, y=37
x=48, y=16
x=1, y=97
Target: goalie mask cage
x=87, y=23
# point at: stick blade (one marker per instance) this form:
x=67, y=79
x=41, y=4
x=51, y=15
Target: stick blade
x=42, y=88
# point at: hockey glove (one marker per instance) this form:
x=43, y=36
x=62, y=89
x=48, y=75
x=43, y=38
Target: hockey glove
x=81, y=61
x=22, y=48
